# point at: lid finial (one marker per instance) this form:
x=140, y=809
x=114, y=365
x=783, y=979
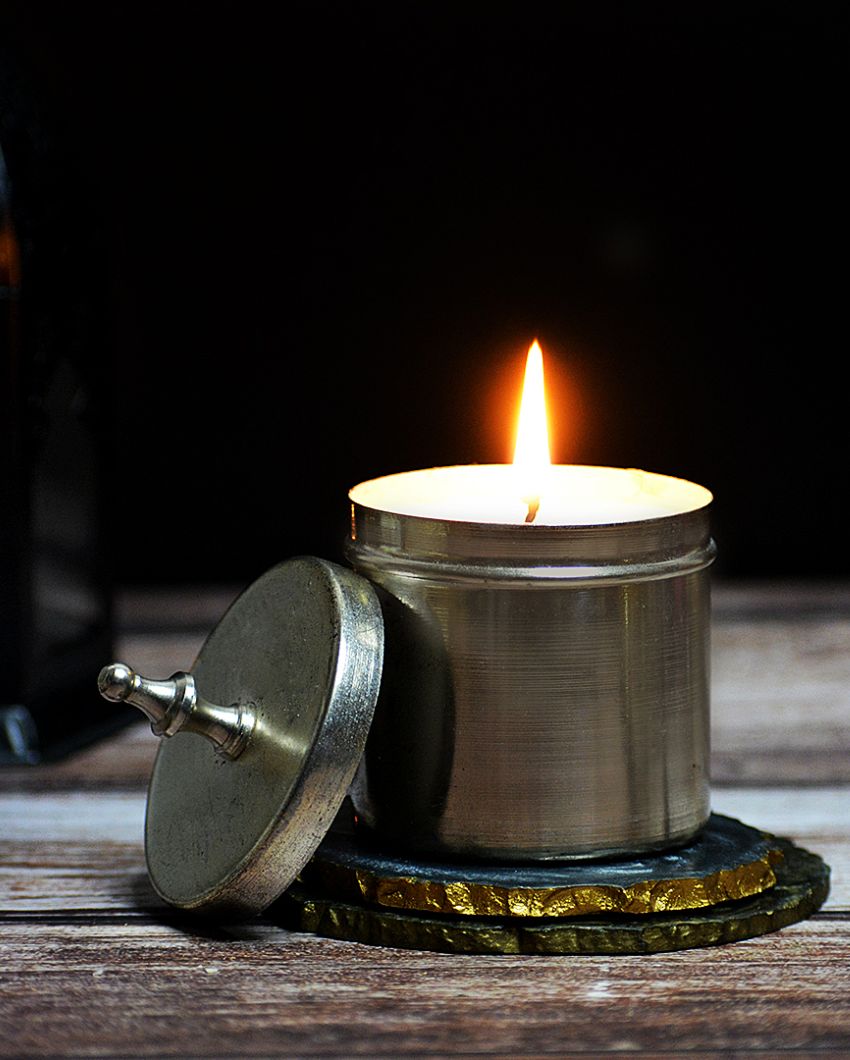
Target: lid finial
x=175, y=706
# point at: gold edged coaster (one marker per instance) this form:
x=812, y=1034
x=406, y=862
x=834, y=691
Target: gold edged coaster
x=727, y=861
x=801, y=885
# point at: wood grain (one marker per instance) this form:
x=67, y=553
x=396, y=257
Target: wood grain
x=76, y=852
x=93, y=965
x=159, y=990
x=781, y=700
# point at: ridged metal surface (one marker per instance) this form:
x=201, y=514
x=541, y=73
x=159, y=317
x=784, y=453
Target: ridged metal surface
x=545, y=690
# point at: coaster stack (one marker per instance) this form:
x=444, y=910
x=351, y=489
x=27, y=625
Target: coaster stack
x=732, y=882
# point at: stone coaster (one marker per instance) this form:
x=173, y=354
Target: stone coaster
x=727, y=861
x=802, y=884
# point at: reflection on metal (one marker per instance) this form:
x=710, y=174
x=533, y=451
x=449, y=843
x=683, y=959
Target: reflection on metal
x=546, y=693
x=174, y=706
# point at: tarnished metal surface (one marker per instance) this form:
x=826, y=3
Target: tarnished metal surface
x=546, y=689
x=302, y=647
x=727, y=861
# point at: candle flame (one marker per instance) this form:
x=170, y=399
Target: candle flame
x=531, y=454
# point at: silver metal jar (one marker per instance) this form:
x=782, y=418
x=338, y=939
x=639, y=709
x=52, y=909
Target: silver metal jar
x=545, y=690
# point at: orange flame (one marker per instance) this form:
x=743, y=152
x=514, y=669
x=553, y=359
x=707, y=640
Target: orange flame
x=531, y=454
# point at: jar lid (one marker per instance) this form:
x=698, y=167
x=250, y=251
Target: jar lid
x=286, y=686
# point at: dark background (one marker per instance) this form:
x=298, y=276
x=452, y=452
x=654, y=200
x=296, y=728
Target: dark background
x=315, y=248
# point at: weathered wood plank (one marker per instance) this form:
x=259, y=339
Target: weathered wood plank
x=121, y=762
x=92, y=964
x=781, y=679
x=156, y=990
x=781, y=701
x=72, y=853
x=72, y=817
x=815, y=818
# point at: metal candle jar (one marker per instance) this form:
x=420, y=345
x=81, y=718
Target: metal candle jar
x=545, y=690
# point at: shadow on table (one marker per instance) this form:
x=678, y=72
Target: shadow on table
x=147, y=903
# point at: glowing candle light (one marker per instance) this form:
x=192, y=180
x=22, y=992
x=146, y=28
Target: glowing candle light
x=532, y=490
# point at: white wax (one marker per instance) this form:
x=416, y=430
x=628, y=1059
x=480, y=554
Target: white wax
x=570, y=494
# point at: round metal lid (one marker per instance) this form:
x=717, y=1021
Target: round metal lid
x=301, y=649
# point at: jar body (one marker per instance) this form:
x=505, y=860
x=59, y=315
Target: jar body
x=545, y=691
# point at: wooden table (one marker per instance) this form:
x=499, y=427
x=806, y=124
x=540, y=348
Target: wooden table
x=91, y=964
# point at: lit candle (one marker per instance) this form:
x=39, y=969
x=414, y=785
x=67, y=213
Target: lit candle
x=532, y=490
x=545, y=691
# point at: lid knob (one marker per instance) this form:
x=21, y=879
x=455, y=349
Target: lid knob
x=175, y=706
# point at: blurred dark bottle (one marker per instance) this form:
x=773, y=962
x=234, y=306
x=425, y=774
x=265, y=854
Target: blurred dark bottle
x=54, y=586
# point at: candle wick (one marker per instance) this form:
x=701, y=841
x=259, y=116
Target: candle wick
x=533, y=508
